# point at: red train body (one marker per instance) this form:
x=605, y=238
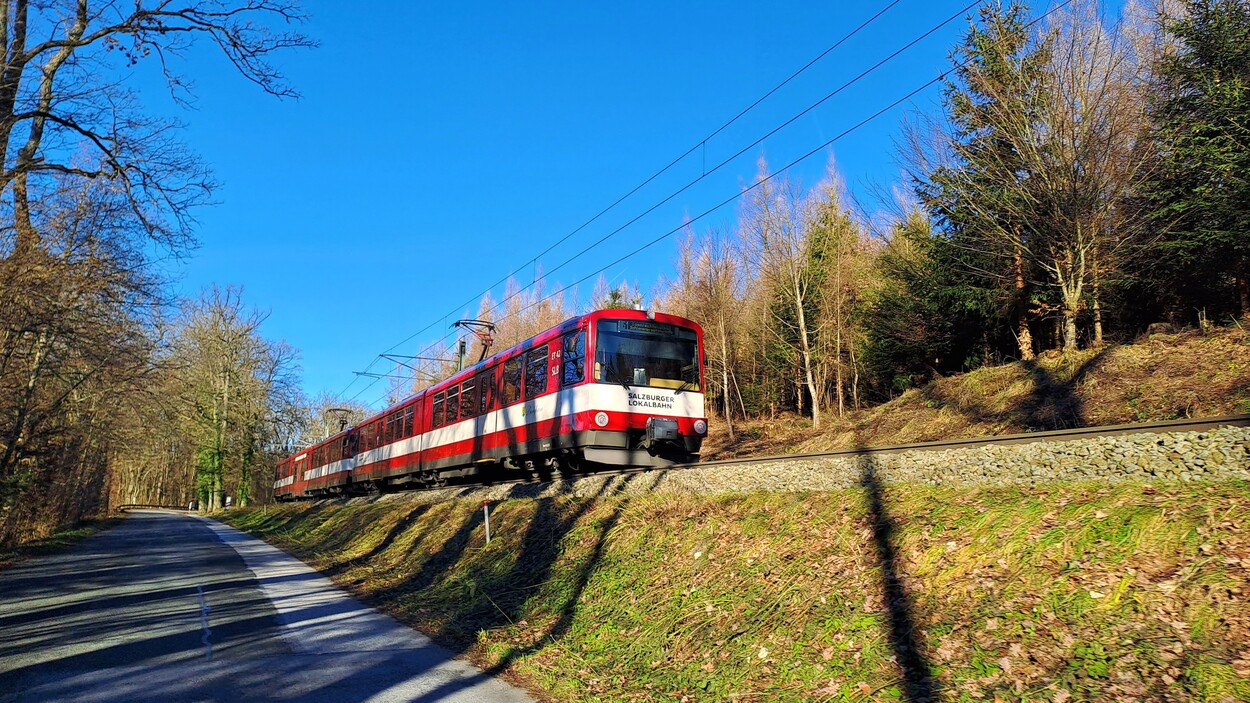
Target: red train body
x=612, y=387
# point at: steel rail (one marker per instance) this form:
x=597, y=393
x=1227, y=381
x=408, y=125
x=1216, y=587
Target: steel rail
x=1156, y=427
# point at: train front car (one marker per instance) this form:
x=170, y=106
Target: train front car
x=644, y=395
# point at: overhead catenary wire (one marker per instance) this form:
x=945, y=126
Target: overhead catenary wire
x=823, y=146
x=694, y=147
x=722, y=164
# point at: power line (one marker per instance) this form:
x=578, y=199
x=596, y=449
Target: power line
x=755, y=143
x=702, y=142
x=778, y=172
x=728, y=160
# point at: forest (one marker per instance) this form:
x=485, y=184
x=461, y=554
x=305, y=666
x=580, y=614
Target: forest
x=1084, y=180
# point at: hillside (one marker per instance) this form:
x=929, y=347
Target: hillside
x=1044, y=590
x=1160, y=377
x=1065, y=592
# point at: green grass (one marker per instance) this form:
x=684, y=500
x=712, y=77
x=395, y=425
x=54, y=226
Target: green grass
x=1126, y=593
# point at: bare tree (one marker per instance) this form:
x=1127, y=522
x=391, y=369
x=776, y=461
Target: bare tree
x=63, y=113
x=606, y=296
x=326, y=415
x=708, y=290
x=74, y=343
x=776, y=244
x=524, y=311
x=840, y=264
x=234, y=386
x=1085, y=161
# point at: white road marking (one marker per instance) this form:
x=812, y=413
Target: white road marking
x=207, y=638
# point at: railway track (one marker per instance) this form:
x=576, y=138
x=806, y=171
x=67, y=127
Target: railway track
x=1186, y=425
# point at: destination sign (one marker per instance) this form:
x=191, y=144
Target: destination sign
x=645, y=326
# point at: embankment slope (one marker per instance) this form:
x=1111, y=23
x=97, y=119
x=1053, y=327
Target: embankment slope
x=1056, y=592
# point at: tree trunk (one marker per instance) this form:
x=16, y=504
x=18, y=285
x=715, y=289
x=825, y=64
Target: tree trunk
x=838, y=385
x=807, y=359
x=1096, y=293
x=1024, y=338
x=1242, y=274
x=738, y=391
x=839, y=380
x=1097, y=304
x=724, y=375
x=854, y=377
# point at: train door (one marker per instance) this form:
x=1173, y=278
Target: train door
x=484, y=424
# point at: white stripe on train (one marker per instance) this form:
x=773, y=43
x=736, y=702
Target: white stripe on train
x=562, y=403
x=543, y=408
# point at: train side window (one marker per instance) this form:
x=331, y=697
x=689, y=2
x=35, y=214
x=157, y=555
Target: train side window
x=511, y=380
x=535, y=371
x=468, y=399
x=453, y=405
x=438, y=409
x=573, y=358
x=408, y=421
x=485, y=391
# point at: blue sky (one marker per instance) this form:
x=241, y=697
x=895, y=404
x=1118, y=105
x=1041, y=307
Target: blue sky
x=439, y=147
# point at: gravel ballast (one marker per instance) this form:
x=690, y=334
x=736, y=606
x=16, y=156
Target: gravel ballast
x=1212, y=455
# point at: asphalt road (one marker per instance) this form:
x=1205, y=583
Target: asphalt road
x=168, y=607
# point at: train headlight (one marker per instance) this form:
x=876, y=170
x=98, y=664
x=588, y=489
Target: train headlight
x=700, y=426
x=601, y=419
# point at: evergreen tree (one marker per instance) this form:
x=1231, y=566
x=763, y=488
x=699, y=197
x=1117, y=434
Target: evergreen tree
x=979, y=196
x=926, y=317
x=1200, y=193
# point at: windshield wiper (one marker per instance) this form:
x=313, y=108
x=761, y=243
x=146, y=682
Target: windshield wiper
x=612, y=370
x=684, y=385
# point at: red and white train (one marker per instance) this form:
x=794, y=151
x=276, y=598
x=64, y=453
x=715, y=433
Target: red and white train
x=610, y=388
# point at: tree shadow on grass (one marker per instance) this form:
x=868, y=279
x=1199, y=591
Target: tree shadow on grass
x=399, y=528
x=501, y=599
x=919, y=684
x=1053, y=403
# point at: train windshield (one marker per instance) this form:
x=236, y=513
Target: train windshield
x=645, y=353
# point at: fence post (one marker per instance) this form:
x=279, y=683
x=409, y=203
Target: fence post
x=486, y=510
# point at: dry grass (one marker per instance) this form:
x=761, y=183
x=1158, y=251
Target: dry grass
x=56, y=542
x=1162, y=377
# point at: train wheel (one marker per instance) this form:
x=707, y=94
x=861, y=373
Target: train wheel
x=569, y=464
